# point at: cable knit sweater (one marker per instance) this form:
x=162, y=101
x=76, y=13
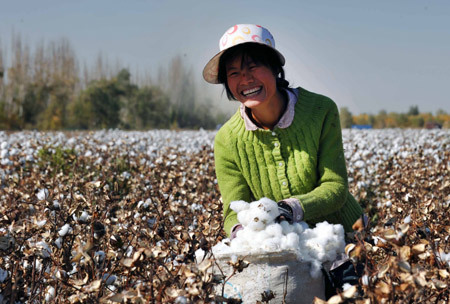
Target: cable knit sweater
x=303, y=161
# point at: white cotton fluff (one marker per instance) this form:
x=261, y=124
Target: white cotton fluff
x=346, y=286
x=44, y=249
x=261, y=233
x=239, y=206
x=42, y=194
x=257, y=215
x=84, y=216
x=65, y=230
x=50, y=294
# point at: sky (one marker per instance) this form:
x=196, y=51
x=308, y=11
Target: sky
x=365, y=55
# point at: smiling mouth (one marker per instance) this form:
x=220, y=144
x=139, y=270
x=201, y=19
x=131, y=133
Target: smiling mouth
x=251, y=92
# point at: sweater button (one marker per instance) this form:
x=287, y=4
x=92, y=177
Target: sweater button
x=275, y=144
x=273, y=133
x=280, y=164
x=284, y=183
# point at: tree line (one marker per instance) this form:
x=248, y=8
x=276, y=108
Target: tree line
x=46, y=89
x=411, y=119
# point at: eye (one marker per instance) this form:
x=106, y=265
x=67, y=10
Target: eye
x=231, y=74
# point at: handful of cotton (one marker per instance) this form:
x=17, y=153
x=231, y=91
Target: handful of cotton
x=261, y=233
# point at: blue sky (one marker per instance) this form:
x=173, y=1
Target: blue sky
x=365, y=55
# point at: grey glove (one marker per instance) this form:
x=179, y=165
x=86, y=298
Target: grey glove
x=290, y=211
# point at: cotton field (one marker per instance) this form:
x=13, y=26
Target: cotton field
x=116, y=217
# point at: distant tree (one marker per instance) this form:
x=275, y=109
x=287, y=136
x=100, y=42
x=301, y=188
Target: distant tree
x=362, y=119
x=148, y=108
x=440, y=112
x=413, y=110
x=416, y=121
x=98, y=106
x=346, y=118
x=380, y=120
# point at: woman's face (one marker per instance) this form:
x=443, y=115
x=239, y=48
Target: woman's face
x=251, y=83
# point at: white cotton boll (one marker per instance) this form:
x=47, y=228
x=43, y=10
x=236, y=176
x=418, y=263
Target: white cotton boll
x=38, y=265
x=41, y=223
x=42, y=194
x=234, y=258
x=407, y=219
x=274, y=229
x=287, y=228
x=299, y=228
x=44, y=248
x=129, y=251
x=61, y=274
x=239, y=206
x=338, y=229
x=245, y=234
x=258, y=221
x=260, y=237
x=200, y=254
x=244, y=217
x=365, y=280
x=65, y=230
x=58, y=242
x=50, y=294
x=293, y=240
x=346, y=286
x=181, y=300
x=84, y=217
x=3, y=153
x=267, y=206
x=284, y=243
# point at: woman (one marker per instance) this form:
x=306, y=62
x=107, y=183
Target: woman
x=283, y=143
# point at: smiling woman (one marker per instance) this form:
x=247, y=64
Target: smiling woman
x=254, y=84
x=284, y=143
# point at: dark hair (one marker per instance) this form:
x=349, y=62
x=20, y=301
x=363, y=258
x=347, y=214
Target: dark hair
x=258, y=53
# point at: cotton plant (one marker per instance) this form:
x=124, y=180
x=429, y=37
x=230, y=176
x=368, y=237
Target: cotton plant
x=261, y=233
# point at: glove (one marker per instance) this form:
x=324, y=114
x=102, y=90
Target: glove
x=290, y=211
x=286, y=213
x=234, y=230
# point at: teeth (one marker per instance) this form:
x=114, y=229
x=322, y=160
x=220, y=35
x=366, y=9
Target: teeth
x=251, y=91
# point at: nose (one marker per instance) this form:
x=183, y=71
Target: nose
x=246, y=77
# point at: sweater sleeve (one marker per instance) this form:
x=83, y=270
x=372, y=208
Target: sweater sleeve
x=332, y=186
x=232, y=184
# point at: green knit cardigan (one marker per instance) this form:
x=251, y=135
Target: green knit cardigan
x=304, y=161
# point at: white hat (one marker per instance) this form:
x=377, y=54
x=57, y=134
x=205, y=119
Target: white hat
x=235, y=35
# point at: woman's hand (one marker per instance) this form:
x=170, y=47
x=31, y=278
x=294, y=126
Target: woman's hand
x=234, y=230
x=290, y=211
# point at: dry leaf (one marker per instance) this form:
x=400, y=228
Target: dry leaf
x=419, y=248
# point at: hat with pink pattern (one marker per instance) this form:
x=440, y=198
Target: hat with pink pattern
x=235, y=35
